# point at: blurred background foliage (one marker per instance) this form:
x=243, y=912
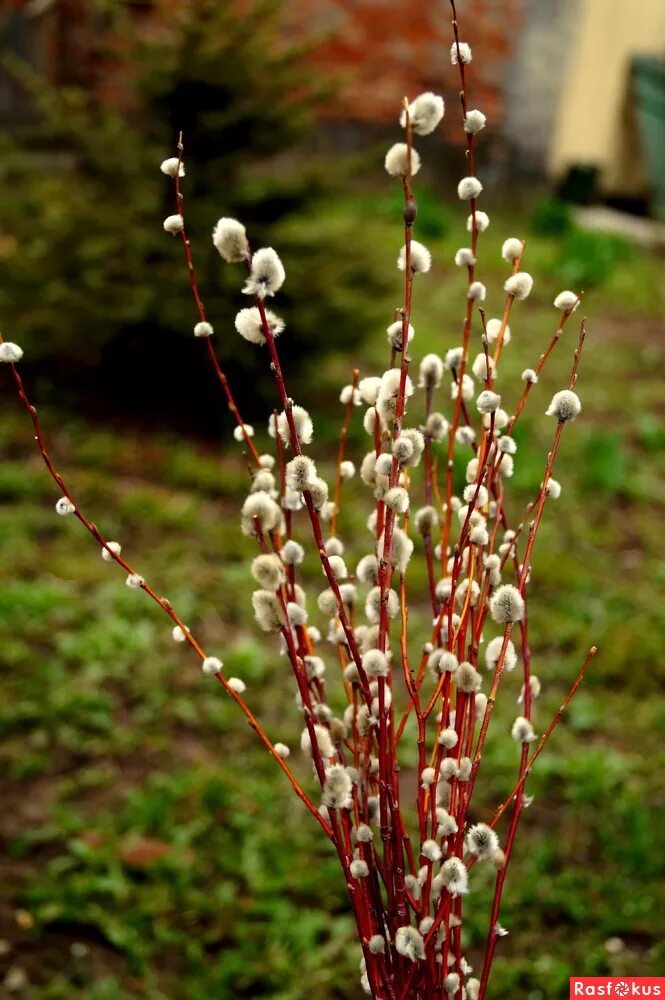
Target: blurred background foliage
x=150, y=849
x=90, y=277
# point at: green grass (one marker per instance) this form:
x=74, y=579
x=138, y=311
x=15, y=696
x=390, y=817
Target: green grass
x=152, y=850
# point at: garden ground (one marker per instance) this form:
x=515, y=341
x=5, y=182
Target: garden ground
x=150, y=848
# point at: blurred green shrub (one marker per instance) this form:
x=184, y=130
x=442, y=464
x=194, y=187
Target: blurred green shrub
x=89, y=275
x=551, y=217
x=588, y=258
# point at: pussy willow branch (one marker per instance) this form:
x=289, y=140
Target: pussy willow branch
x=556, y=719
x=533, y=531
x=516, y=797
x=162, y=602
x=471, y=270
x=388, y=787
x=341, y=450
x=201, y=312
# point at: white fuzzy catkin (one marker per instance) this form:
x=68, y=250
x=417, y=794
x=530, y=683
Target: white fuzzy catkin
x=474, y=121
x=488, y=401
x=337, y=788
x=553, y=488
x=397, y=499
x=468, y=188
x=347, y=469
x=476, y=291
x=134, y=581
x=249, y=324
x=266, y=274
x=483, y=367
x=431, y=850
x=512, y=249
x=506, y=604
x=302, y=422
x=389, y=390
x=467, y=678
x=261, y=507
x=64, y=507
x=375, y=663
x=174, y=224
x=268, y=610
x=427, y=777
x=522, y=730
x=172, y=166
x=178, y=634
x=203, y=329
x=241, y=433
x=10, y=353
x=529, y=375
x=420, y=258
x=369, y=389
x=493, y=651
x=482, y=221
x=282, y=750
x=519, y=285
x=300, y=472
x=565, y=405
x=323, y=740
x=567, y=301
x=397, y=160
x=394, y=333
x=453, y=358
x=359, y=868
x=467, y=388
x=236, y=685
x=451, y=983
x=482, y=841
x=464, y=257
x=350, y=395
x=454, y=876
x=437, y=426
x=409, y=943
x=112, y=548
x=212, y=665
x=292, y=553
x=268, y=571
x=318, y=491
x=377, y=944
x=230, y=239
x=296, y=615
x=460, y=52
x=425, y=113
x=334, y=546
x=494, y=329
x=430, y=372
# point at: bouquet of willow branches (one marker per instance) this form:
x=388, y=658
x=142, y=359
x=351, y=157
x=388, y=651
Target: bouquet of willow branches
x=406, y=890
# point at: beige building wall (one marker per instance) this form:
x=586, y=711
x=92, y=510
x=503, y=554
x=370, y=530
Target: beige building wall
x=595, y=123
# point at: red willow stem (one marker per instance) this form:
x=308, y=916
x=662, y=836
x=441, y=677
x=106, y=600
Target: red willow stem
x=200, y=309
x=471, y=270
x=393, y=855
x=533, y=531
x=545, y=737
x=341, y=449
x=517, y=798
x=162, y=602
